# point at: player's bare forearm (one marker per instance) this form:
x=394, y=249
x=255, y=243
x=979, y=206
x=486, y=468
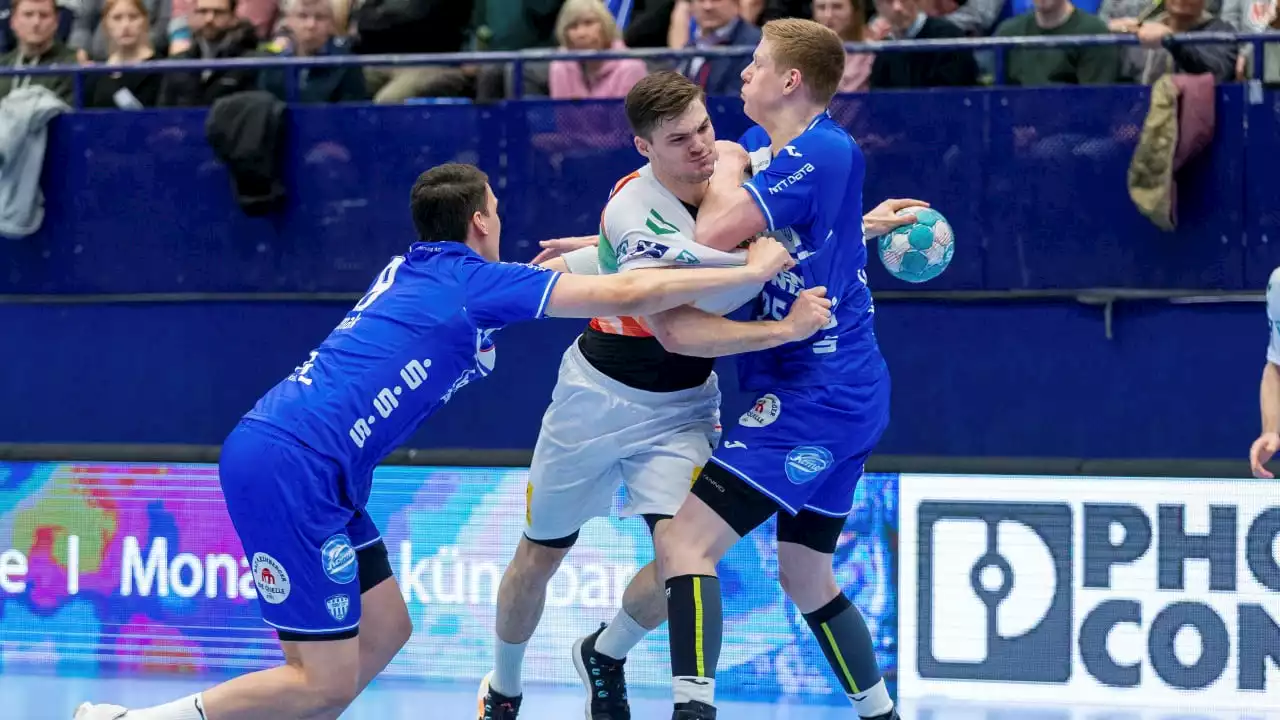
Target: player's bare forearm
x=651, y=291
x=557, y=264
x=686, y=330
x=1269, y=396
x=728, y=215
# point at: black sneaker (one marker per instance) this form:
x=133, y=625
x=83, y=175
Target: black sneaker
x=694, y=710
x=604, y=678
x=493, y=705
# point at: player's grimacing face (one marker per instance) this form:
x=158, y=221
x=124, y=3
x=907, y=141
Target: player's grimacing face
x=685, y=147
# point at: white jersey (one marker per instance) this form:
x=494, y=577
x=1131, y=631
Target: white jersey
x=1273, y=316
x=644, y=225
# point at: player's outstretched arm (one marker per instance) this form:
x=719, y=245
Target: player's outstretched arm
x=1268, y=441
x=648, y=292
x=686, y=330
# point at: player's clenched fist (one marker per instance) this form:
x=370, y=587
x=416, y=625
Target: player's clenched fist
x=768, y=257
x=810, y=312
x=1264, y=448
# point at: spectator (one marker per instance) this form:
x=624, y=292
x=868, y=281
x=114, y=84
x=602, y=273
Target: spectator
x=1254, y=16
x=34, y=24
x=1185, y=16
x=218, y=35
x=650, y=23
x=1097, y=65
x=849, y=19
x=976, y=17
x=588, y=25
x=89, y=34
x=66, y=19
x=720, y=24
x=129, y=38
x=310, y=31
x=752, y=11
x=388, y=27
x=900, y=70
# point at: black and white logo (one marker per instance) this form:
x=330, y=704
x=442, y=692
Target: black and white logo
x=995, y=591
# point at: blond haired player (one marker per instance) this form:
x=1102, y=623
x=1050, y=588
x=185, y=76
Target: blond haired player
x=636, y=402
x=823, y=403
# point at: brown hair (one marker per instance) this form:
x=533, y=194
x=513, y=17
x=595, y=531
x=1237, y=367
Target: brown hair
x=445, y=198
x=813, y=49
x=658, y=98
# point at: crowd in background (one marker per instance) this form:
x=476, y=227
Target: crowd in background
x=129, y=34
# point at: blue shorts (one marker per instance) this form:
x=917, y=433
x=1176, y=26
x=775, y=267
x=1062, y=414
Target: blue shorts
x=805, y=448
x=298, y=529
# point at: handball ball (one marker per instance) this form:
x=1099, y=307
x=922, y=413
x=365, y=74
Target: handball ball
x=918, y=252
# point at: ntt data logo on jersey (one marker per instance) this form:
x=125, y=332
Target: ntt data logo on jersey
x=1120, y=590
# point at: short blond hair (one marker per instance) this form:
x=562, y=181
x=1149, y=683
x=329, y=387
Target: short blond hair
x=572, y=10
x=813, y=49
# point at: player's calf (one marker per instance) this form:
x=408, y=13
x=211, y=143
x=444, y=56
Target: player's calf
x=806, y=576
x=522, y=593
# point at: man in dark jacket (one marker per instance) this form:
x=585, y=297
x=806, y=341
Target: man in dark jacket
x=902, y=70
x=309, y=26
x=720, y=24
x=219, y=35
x=35, y=24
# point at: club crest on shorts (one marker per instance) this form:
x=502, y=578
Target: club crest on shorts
x=270, y=578
x=338, y=559
x=806, y=463
x=764, y=412
x=338, y=606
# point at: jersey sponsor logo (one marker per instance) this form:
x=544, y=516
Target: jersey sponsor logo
x=687, y=258
x=338, y=606
x=658, y=225
x=792, y=151
x=764, y=412
x=735, y=444
x=338, y=559
x=270, y=578
x=643, y=249
x=806, y=463
x=791, y=179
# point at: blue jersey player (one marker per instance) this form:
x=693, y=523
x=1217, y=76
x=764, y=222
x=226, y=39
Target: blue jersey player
x=296, y=471
x=822, y=402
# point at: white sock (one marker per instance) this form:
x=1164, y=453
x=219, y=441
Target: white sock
x=508, y=661
x=872, y=702
x=190, y=707
x=694, y=689
x=620, y=636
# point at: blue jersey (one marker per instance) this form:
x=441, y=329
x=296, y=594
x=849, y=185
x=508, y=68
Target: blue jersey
x=421, y=332
x=812, y=190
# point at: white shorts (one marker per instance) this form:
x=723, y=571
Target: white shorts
x=599, y=433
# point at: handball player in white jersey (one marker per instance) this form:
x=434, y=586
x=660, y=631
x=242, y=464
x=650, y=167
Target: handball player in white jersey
x=636, y=403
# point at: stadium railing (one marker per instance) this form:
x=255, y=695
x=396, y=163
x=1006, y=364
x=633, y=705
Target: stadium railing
x=518, y=59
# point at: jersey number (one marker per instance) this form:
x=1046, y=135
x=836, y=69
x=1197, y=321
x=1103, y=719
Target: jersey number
x=383, y=284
